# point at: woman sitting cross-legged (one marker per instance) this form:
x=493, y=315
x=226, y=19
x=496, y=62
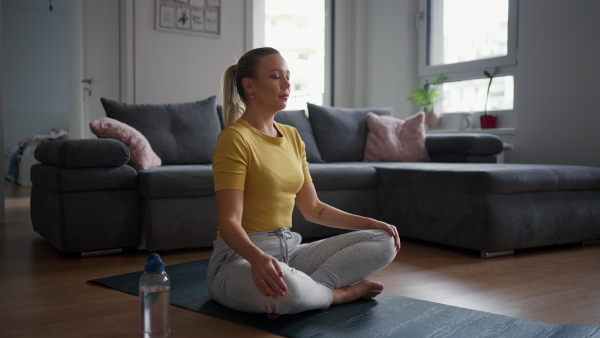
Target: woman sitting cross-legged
x=258, y=264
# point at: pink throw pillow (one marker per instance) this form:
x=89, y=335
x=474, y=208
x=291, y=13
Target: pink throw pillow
x=393, y=140
x=142, y=155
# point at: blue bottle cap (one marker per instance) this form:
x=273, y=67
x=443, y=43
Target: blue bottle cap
x=154, y=264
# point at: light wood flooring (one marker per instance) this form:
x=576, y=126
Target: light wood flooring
x=45, y=294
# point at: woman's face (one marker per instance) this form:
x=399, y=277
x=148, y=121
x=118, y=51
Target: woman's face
x=271, y=87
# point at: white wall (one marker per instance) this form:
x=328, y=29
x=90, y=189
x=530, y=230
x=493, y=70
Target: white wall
x=349, y=53
x=375, y=54
x=557, y=87
x=34, y=69
x=175, y=67
x=556, y=84
x=391, y=55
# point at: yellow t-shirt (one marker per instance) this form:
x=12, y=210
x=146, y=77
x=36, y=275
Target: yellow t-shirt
x=270, y=171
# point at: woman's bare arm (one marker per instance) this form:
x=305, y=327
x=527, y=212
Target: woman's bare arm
x=318, y=212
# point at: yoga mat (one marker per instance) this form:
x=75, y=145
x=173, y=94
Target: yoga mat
x=385, y=316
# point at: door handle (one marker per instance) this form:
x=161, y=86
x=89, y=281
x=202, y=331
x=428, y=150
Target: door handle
x=88, y=81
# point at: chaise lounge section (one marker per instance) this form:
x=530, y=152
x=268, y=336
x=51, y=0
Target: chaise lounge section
x=493, y=208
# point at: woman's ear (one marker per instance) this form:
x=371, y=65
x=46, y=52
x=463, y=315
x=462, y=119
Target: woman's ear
x=248, y=86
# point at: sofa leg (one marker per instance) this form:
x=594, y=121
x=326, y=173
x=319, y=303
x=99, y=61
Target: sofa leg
x=101, y=253
x=496, y=254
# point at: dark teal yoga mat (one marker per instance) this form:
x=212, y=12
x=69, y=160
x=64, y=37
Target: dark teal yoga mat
x=385, y=316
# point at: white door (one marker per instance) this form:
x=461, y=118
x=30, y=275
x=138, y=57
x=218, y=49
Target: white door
x=101, y=58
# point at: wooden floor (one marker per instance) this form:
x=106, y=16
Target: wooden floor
x=45, y=294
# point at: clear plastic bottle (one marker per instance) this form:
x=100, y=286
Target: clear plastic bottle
x=155, y=294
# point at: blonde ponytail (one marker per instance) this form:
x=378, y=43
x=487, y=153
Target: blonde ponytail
x=233, y=107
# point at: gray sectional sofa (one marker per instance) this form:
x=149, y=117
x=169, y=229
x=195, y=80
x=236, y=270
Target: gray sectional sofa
x=85, y=197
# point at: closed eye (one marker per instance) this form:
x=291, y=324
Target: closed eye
x=276, y=75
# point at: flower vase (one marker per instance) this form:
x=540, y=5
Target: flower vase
x=488, y=121
x=432, y=120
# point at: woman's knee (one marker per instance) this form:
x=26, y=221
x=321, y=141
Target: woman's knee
x=386, y=243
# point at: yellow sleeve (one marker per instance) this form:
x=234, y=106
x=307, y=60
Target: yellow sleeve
x=307, y=177
x=230, y=161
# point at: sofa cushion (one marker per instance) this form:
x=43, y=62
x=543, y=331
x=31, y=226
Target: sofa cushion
x=493, y=178
x=343, y=176
x=84, y=153
x=394, y=140
x=173, y=181
x=341, y=133
x=298, y=120
x=142, y=156
x=179, y=133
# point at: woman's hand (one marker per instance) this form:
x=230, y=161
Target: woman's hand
x=390, y=230
x=268, y=276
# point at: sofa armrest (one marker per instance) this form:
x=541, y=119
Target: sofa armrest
x=83, y=153
x=464, y=144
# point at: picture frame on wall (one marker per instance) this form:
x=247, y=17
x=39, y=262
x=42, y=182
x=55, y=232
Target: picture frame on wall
x=199, y=17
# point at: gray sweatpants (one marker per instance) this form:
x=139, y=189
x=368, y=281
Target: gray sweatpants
x=310, y=270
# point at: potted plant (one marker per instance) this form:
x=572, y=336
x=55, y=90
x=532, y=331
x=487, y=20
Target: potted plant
x=488, y=120
x=425, y=98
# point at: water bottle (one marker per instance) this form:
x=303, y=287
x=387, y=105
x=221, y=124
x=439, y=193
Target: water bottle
x=155, y=290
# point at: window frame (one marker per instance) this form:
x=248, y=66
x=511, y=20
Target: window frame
x=466, y=69
x=255, y=31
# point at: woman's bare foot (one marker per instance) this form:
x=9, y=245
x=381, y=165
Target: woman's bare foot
x=366, y=289
x=273, y=315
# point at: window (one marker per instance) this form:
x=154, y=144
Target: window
x=469, y=95
x=298, y=30
x=466, y=30
x=463, y=38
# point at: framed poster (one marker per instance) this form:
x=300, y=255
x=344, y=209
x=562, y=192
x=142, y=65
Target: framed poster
x=200, y=17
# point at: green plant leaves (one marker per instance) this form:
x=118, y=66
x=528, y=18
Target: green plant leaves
x=425, y=98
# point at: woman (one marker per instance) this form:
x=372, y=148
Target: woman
x=258, y=265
